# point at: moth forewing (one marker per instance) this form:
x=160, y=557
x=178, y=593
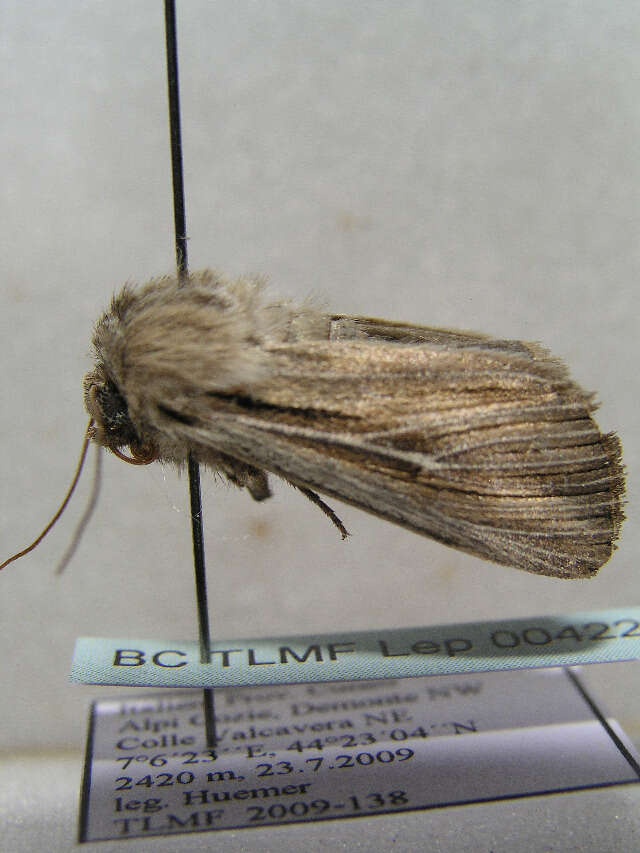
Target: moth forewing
x=483, y=444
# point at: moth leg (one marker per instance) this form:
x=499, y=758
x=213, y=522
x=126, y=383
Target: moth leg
x=254, y=480
x=257, y=485
x=317, y=500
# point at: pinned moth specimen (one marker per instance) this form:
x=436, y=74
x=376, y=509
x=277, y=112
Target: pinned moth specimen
x=486, y=445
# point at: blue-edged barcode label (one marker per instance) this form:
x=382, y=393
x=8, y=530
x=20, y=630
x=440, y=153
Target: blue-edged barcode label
x=564, y=640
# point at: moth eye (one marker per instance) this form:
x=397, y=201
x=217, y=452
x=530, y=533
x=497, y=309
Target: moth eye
x=112, y=405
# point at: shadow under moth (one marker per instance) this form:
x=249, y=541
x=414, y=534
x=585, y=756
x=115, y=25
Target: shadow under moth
x=486, y=445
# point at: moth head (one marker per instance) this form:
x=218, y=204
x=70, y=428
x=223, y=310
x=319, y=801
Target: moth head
x=111, y=425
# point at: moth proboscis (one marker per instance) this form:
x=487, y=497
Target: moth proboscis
x=486, y=445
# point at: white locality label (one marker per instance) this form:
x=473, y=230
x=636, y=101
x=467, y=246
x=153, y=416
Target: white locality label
x=316, y=751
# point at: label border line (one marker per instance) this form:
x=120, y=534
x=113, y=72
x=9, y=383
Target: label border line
x=621, y=747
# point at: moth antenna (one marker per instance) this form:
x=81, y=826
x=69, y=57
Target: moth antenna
x=63, y=505
x=86, y=515
x=317, y=500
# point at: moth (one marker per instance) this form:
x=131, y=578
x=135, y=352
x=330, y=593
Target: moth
x=486, y=445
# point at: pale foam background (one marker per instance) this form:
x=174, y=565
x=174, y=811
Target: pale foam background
x=460, y=164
